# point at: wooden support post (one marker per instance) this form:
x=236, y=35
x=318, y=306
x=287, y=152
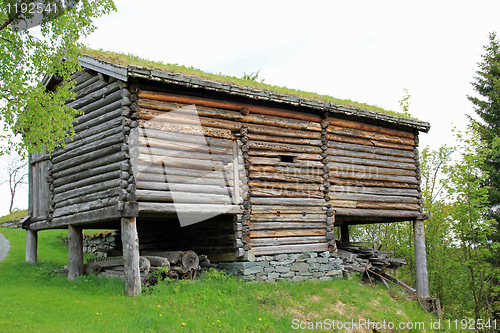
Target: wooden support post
x=31, y=246
x=420, y=259
x=344, y=233
x=130, y=241
x=75, y=252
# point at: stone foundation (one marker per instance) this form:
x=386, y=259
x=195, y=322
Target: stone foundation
x=293, y=267
x=100, y=241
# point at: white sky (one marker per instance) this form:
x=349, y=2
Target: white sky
x=366, y=51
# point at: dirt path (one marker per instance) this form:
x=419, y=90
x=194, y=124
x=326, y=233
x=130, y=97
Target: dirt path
x=4, y=247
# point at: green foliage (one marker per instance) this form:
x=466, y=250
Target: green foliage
x=214, y=303
x=405, y=102
x=14, y=216
x=25, y=106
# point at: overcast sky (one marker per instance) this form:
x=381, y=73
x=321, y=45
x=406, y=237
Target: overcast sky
x=366, y=51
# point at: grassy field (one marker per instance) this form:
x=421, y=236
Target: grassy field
x=34, y=299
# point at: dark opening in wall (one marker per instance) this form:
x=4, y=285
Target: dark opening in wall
x=288, y=159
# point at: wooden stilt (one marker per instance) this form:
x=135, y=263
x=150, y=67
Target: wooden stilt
x=31, y=246
x=75, y=252
x=344, y=233
x=420, y=259
x=130, y=241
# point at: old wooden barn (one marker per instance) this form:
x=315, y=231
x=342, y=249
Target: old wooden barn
x=177, y=162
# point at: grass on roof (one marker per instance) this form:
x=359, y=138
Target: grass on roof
x=129, y=59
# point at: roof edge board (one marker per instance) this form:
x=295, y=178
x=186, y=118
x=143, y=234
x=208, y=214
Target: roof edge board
x=192, y=82
x=117, y=71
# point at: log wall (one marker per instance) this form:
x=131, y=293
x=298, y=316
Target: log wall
x=89, y=180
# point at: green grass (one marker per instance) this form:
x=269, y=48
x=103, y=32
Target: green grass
x=34, y=299
x=15, y=216
x=130, y=59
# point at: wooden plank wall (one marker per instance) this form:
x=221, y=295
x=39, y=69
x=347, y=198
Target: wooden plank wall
x=39, y=192
x=187, y=154
x=90, y=178
x=373, y=171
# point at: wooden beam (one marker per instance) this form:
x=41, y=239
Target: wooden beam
x=420, y=258
x=75, y=252
x=130, y=241
x=31, y=246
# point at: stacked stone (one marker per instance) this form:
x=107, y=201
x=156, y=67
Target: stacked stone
x=95, y=244
x=292, y=267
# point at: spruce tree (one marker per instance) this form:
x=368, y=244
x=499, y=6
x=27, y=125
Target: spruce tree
x=487, y=107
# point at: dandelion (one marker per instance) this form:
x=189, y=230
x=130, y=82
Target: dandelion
x=220, y=325
x=159, y=306
x=218, y=320
x=213, y=324
x=161, y=315
x=183, y=324
x=97, y=313
x=77, y=301
x=260, y=318
x=115, y=314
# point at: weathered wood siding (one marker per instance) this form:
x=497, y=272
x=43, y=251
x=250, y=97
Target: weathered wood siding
x=185, y=157
x=373, y=171
x=39, y=195
x=89, y=179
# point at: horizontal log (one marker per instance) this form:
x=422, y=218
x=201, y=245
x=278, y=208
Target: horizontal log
x=98, y=215
x=296, y=156
x=83, y=140
x=334, y=153
x=169, y=171
x=374, y=190
x=81, y=76
x=277, y=177
x=343, y=203
x=296, y=248
x=371, y=183
x=90, y=146
x=377, y=213
x=372, y=197
x=286, y=233
x=184, y=146
x=285, y=225
x=228, y=105
x=286, y=170
x=332, y=175
x=388, y=206
x=199, y=138
x=287, y=186
x=288, y=201
x=187, y=128
x=116, y=113
x=161, y=152
x=270, y=192
x=355, y=168
x=160, y=178
x=163, y=196
x=85, y=206
x=278, y=210
x=369, y=135
x=282, y=132
x=106, y=159
x=190, y=118
x=372, y=162
x=259, y=145
x=96, y=95
x=90, y=156
x=283, y=139
x=115, y=183
x=276, y=161
x=161, y=207
x=368, y=142
x=286, y=217
x=192, y=163
x=90, y=86
x=369, y=127
x=189, y=188
x=88, y=181
x=112, y=192
x=287, y=240
x=116, y=166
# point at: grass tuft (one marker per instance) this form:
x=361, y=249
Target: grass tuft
x=130, y=59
